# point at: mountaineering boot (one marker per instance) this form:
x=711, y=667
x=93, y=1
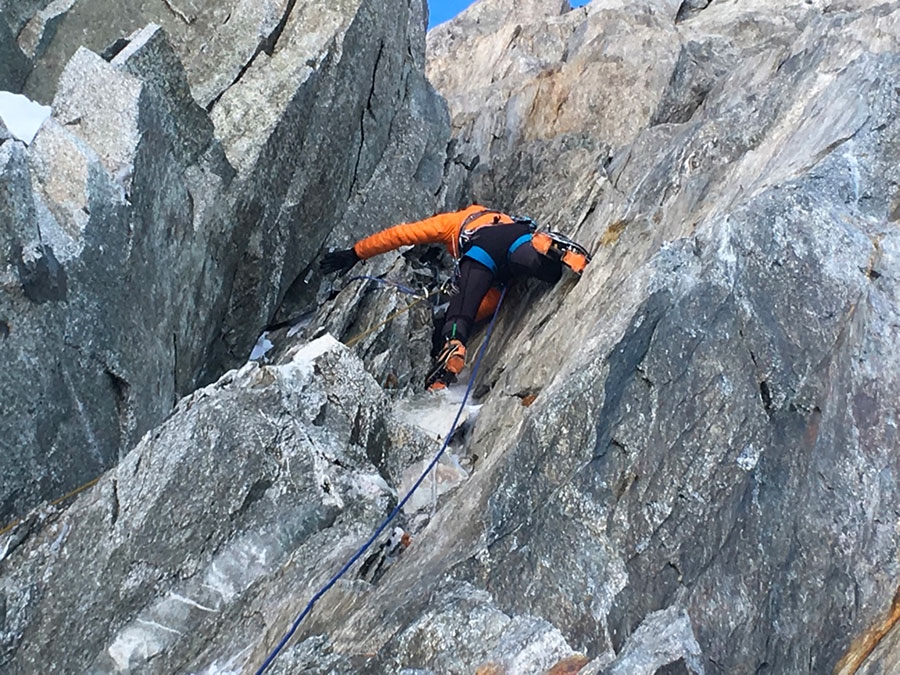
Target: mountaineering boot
x=571, y=254
x=448, y=365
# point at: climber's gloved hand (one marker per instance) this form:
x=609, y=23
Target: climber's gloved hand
x=338, y=261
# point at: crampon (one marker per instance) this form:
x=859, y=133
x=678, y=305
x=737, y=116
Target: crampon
x=447, y=366
x=573, y=255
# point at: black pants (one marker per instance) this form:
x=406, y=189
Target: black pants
x=475, y=278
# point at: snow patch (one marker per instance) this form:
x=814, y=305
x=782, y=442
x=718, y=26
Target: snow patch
x=435, y=412
x=371, y=486
x=22, y=116
x=306, y=356
x=261, y=348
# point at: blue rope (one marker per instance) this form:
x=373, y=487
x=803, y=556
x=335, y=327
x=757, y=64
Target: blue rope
x=356, y=556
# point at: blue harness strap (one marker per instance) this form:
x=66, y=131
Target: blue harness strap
x=478, y=254
x=524, y=239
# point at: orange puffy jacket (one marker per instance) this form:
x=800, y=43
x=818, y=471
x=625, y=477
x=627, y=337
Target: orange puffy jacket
x=443, y=228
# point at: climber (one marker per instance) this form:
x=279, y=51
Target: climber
x=487, y=255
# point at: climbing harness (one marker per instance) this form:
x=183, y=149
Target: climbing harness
x=465, y=235
x=469, y=249
x=549, y=243
x=356, y=556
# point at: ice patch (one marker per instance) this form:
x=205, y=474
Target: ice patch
x=192, y=603
x=446, y=475
x=435, y=412
x=139, y=642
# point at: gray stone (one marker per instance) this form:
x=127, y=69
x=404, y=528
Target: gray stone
x=221, y=501
x=14, y=65
x=357, y=148
x=878, y=653
x=663, y=638
x=735, y=300
x=17, y=13
x=39, y=32
x=150, y=57
x=690, y=8
x=110, y=194
x=131, y=170
x=214, y=40
x=115, y=193
x=703, y=477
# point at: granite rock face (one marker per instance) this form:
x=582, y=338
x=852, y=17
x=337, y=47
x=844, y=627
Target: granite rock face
x=14, y=64
x=684, y=461
x=152, y=240
x=107, y=237
x=719, y=437
x=361, y=145
x=270, y=493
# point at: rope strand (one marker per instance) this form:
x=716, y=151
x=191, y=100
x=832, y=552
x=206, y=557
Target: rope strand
x=331, y=582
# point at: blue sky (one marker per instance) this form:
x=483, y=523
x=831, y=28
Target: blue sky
x=443, y=10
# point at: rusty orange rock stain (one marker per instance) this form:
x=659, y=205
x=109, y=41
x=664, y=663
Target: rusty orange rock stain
x=528, y=400
x=490, y=669
x=613, y=232
x=569, y=666
x=863, y=646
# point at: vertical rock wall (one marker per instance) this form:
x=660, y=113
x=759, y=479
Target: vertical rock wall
x=717, y=437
